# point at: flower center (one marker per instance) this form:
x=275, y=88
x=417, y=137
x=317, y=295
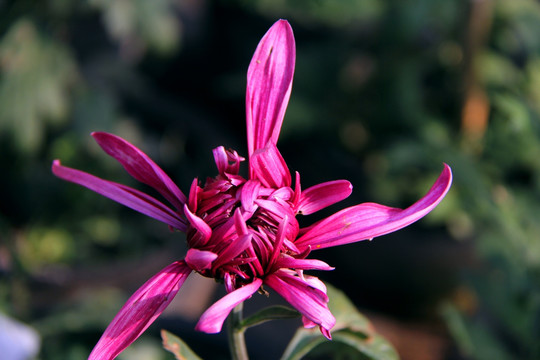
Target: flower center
x=248, y=226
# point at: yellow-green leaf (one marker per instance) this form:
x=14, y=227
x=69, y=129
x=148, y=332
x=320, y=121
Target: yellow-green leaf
x=177, y=346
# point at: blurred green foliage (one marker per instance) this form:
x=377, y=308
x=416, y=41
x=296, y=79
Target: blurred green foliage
x=148, y=24
x=384, y=92
x=36, y=75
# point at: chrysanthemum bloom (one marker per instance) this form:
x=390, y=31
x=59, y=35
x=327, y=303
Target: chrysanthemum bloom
x=244, y=232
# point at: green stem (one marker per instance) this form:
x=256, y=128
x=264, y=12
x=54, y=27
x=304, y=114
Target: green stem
x=237, y=342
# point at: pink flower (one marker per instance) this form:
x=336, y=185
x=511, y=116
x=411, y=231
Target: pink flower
x=244, y=232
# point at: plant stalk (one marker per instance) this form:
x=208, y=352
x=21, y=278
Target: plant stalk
x=237, y=342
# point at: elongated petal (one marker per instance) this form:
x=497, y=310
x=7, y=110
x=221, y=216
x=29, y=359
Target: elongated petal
x=140, y=166
x=269, y=82
x=280, y=237
x=212, y=320
x=309, y=301
x=322, y=195
x=268, y=166
x=142, y=308
x=366, y=221
x=297, y=189
x=302, y=264
x=122, y=194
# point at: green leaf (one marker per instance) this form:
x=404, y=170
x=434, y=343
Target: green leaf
x=177, y=346
x=457, y=327
x=352, y=330
x=302, y=343
x=269, y=313
x=347, y=316
x=373, y=347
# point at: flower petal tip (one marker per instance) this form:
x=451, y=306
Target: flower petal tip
x=283, y=23
x=99, y=134
x=208, y=328
x=326, y=333
x=448, y=172
x=445, y=180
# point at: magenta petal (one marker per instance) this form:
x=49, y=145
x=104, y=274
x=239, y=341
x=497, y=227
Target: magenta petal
x=320, y=196
x=308, y=324
x=240, y=223
x=366, y=221
x=220, y=157
x=309, y=301
x=315, y=282
x=276, y=208
x=268, y=166
x=194, y=192
x=142, y=308
x=211, y=321
x=280, y=237
x=302, y=264
x=122, y=194
x=140, y=166
x=233, y=249
x=203, y=230
x=200, y=259
x=269, y=82
x=297, y=189
x=249, y=193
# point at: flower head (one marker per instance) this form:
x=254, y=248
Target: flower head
x=244, y=232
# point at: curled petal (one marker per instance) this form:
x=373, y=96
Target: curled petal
x=249, y=194
x=311, y=302
x=366, y=221
x=227, y=162
x=142, y=308
x=235, y=161
x=315, y=282
x=212, y=319
x=194, y=191
x=322, y=195
x=220, y=157
x=122, y=194
x=308, y=324
x=203, y=230
x=140, y=166
x=268, y=166
x=269, y=82
x=200, y=259
x=282, y=194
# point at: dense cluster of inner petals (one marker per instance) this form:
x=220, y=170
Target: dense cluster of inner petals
x=239, y=228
